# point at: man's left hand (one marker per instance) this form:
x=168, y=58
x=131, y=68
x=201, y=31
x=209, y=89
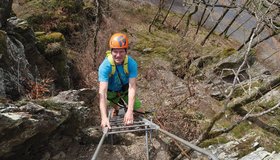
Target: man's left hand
x=128, y=118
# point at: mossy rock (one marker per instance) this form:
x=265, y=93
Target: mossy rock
x=241, y=90
x=226, y=53
x=3, y=43
x=194, y=70
x=48, y=104
x=56, y=55
x=51, y=38
x=54, y=49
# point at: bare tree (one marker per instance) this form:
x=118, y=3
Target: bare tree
x=97, y=28
x=175, y=27
x=213, y=6
x=241, y=25
x=248, y=39
x=265, y=25
x=225, y=31
x=168, y=11
x=239, y=103
x=160, y=7
x=265, y=38
x=189, y=17
x=218, y=22
x=201, y=18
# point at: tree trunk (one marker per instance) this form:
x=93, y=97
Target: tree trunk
x=225, y=31
x=238, y=27
x=175, y=27
x=265, y=88
x=168, y=12
x=201, y=18
x=266, y=38
x=242, y=112
x=5, y=11
x=259, y=32
x=237, y=104
x=218, y=22
x=234, y=18
x=248, y=39
x=209, y=13
x=97, y=28
x=160, y=6
x=189, y=19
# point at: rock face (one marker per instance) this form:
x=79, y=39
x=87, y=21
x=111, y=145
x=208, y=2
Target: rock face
x=25, y=127
x=5, y=11
x=233, y=150
x=23, y=64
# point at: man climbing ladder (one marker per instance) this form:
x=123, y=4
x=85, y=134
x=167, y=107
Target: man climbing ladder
x=117, y=80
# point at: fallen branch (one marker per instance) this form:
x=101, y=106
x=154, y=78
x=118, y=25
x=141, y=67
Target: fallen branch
x=247, y=116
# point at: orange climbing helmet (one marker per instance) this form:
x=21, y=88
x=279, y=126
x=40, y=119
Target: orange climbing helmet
x=118, y=40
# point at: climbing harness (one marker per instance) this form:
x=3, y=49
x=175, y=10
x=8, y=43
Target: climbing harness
x=140, y=125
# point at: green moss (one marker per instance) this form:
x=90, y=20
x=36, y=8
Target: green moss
x=161, y=43
x=48, y=104
x=241, y=91
x=241, y=130
x=226, y=53
x=218, y=140
x=51, y=37
x=193, y=70
x=268, y=103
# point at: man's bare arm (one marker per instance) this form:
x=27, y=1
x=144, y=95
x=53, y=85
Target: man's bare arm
x=103, y=87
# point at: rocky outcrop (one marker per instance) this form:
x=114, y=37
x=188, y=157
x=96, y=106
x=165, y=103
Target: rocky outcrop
x=23, y=62
x=25, y=127
x=245, y=148
x=5, y=11
x=221, y=75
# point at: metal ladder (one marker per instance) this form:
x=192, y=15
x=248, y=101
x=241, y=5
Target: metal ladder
x=141, y=124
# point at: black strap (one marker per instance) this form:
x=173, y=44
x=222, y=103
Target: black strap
x=119, y=76
x=124, y=86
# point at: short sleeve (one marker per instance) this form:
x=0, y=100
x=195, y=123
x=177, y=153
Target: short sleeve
x=104, y=71
x=132, y=67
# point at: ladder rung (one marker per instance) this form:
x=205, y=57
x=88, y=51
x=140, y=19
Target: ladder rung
x=126, y=131
x=131, y=126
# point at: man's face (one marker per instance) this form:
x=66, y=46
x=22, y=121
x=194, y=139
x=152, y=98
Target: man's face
x=118, y=55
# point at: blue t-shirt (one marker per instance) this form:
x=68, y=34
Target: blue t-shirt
x=114, y=83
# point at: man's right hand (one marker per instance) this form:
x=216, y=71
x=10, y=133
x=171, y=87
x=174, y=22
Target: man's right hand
x=105, y=123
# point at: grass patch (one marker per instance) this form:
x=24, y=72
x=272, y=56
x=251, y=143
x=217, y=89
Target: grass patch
x=160, y=44
x=227, y=52
x=241, y=130
x=217, y=140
